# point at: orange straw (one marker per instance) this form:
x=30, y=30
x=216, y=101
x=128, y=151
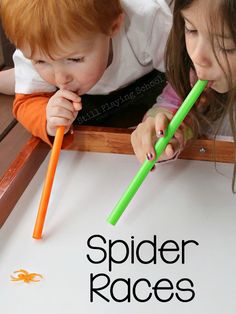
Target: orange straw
x=56, y=148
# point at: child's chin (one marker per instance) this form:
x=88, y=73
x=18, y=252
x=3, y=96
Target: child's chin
x=220, y=89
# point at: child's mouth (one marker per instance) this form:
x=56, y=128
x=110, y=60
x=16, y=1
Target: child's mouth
x=209, y=84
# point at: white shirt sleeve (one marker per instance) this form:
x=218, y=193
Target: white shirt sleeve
x=27, y=80
x=159, y=35
x=148, y=27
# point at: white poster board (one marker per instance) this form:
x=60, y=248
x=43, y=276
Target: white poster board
x=172, y=251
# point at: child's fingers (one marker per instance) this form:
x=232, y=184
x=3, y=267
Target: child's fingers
x=77, y=105
x=59, y=103
x=61, y=112
x=56, y=121
x=137, y=146
x=75, y=113
x=143, y=139
x=177, y=142
x=172, y=149
x=148, y=141
x=66, y=98
x=64, y=118
x=179, y=136
x=139, y=154
x=73, y=97
x=161, y=123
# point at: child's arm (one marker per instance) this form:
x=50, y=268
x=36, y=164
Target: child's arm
x=38, y=106
x=7, y=82
x=154, y=125
x=30, y=111
x=41, y=113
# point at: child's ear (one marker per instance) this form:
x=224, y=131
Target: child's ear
x=116, y=26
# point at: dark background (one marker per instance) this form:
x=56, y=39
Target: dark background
x=7, y=50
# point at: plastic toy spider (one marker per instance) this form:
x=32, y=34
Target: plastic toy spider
x=26, y=276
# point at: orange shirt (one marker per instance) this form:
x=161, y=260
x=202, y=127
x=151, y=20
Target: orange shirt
x=30, y=111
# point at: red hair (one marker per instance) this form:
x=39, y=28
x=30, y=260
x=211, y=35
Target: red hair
x=47, y=24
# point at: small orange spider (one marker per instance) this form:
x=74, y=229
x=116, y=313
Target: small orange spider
x=25, y=276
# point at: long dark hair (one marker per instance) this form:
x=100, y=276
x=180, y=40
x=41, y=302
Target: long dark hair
x=179, y=66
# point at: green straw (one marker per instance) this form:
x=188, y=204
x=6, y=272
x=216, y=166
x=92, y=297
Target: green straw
x=159, y=148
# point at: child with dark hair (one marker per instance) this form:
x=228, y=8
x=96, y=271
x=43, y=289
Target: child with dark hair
x=201, y=45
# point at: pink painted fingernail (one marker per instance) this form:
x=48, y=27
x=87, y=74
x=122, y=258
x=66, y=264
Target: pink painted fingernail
x=149, y=156
x=160, y=133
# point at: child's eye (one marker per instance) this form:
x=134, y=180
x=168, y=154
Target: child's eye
x=189, y=30
x=227, y=50
x=76, y=60
x=39, y=62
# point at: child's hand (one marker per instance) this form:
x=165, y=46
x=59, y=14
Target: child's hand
x=62, y=110
x=146, y=134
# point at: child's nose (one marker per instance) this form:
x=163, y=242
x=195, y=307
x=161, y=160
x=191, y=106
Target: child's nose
x=62, y=79
x=201, y=57
x=202, y=60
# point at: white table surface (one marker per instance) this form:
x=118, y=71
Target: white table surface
x=184, y=200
